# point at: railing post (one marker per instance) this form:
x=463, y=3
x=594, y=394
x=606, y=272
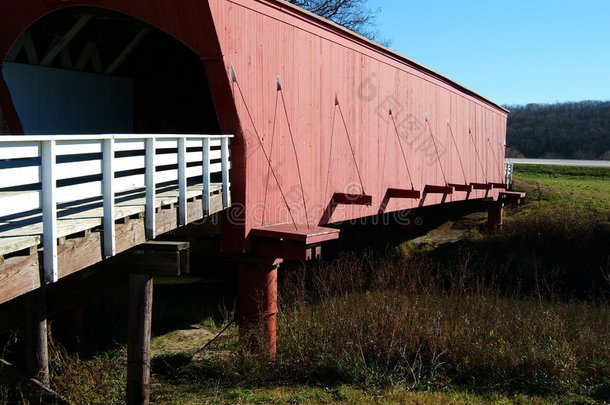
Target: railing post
x=182, y=204
x=49, y=211
x=108, y=195
x=224, y=153
x=150, y=188
x=508, y=173
x=206, y=176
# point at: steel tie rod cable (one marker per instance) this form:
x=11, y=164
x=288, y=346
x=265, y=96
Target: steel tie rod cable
x=349, y=141
x=270, y=154
x=265, y=153
x=476, y=152
x=404, y=157
x=438, y=156
x=294, y=148
x=458, y=152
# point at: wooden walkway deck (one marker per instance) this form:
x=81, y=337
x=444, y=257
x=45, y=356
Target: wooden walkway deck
x=18, y=233
x=107, y=203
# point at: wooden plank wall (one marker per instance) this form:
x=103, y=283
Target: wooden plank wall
x=263, y=40
x=109, y=106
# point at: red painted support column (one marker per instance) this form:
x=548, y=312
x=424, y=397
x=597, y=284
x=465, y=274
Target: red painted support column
x=495, y=216
x=257, y=303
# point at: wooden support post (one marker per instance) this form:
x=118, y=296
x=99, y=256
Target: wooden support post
x=257, y=304
x=138, y=345
x=495, y=215
x=36, y=332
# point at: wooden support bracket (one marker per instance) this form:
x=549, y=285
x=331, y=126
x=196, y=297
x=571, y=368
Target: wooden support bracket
x=460, y=187
x=510, y=197
x=481, y=186
x=352, y=199
x=286, y=250
x=429, y=189
x=304, y=235
x=403, y=193
x=157, y=258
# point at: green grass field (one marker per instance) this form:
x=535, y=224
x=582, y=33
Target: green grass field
x=564, y=187
x=513, y=317
x=349, y=395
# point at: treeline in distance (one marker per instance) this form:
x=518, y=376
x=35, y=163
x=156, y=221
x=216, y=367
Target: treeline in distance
x=578, y=130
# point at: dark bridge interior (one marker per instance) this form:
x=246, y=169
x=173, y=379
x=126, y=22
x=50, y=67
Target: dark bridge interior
x=170, y=90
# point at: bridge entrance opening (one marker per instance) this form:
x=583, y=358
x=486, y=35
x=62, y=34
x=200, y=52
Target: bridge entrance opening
x=91, y=70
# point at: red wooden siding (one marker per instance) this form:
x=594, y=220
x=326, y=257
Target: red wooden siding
x=317, y=63
x=262, y=41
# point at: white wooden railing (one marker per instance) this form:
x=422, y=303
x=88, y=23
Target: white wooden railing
x=508, y=173
x=100, y=166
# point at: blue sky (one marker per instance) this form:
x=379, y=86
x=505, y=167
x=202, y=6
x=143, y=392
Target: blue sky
x=513, y=52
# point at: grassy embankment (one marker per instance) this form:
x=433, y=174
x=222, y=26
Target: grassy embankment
x=517, y=317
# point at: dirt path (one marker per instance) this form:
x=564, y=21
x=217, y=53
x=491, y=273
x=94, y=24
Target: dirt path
x=449, y=232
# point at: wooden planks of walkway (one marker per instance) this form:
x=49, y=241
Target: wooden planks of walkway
x=80, y=235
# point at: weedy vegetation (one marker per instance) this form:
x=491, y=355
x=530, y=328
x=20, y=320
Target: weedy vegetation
x=513, y=317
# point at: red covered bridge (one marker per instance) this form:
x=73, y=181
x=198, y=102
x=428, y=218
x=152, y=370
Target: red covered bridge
x=324, y=126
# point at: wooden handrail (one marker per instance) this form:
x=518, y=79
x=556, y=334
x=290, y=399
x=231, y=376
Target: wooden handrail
x=42, y=171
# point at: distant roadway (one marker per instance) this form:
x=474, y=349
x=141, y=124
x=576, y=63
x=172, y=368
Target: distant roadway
x=560, y=162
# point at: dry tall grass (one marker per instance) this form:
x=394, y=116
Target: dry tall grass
x=413, y=323
x=98, y=380
x=525, y=310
